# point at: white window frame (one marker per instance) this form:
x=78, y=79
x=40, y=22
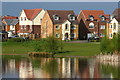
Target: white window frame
x=110, y=35
x=56, y=17
x=25, y=27
x=102, y=26
x=114, y=26
x=21, y=18
x=91, y=23
x=21, y=27
x=73, y=26
x=91, y=18
x=110, y=26
x=74, y=35
x=58, y=27
x=58, y=35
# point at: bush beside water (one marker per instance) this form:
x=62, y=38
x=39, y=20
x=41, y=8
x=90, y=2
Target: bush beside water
x=110, y=46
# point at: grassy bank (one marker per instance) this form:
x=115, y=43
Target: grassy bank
x=69, y=49
x=81, y=49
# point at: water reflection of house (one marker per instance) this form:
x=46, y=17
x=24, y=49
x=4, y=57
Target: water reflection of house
x=26, y=69
x=9, y=69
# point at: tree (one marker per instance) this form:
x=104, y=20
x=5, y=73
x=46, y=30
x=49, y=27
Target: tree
x=52, y=45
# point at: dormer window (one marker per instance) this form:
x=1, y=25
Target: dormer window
x=71, y=17
x=91, y=17
x=56, y=17
x=102, y=17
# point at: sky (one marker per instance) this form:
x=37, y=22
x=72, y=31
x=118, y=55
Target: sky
x=14, y=8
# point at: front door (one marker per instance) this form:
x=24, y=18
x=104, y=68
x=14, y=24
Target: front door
x=66, y=36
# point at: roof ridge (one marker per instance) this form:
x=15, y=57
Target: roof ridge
x=32, y=9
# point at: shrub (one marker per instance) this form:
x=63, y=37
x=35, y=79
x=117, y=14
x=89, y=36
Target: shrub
x=16, y=40
x=110, y=45
x=52, y=45
x=49, y=44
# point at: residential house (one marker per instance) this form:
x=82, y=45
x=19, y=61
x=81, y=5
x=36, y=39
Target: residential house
x=61, y=24
x=92, y=23
x=30, y=23
x=114, y=25
x=10, y=24
x=3, y=35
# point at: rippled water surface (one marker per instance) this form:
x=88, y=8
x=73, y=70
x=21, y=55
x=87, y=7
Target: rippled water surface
x=30, y=67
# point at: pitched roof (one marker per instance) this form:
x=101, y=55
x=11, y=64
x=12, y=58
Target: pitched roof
x=95, y=13
x=62, y=14
x=9, y=17
x=32, y=13
x=11, y=21
x=116, y=13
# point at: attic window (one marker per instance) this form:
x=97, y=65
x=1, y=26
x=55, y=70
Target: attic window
x=71, y=17
x=102, y=17
x=21, y=18
x=91, y=17
x=56, y=17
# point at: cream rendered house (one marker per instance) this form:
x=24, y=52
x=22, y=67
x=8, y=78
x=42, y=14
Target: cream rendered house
x=30, y=23
x=113, y=28
x=114, y=25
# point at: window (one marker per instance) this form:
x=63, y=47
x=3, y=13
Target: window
x=73, y=27
x=66, y=27
x=25, y=18
x=21, y=27
x=57, y=35
x=91, y=17
x=102, y=18
x=91, y=25
x=102, y=26
x=57, y=27
x=56, y=17
x=21, y=19
x=13, y=27
x=110, y=26
x=71, y=17
x=114, y=27
x=73, y=35
x=110, y=35
x=40, y=20
x=102, y=35
x=24, y=26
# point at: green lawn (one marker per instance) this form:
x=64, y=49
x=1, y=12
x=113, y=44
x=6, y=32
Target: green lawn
x=81, y=49
x=70, y=49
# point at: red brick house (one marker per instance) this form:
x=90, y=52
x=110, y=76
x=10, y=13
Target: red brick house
x=92, y=23
x=30, y=23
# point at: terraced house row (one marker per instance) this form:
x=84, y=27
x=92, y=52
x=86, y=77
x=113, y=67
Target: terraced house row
x=62, y=24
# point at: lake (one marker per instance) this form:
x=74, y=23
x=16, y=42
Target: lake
x=16, y=66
